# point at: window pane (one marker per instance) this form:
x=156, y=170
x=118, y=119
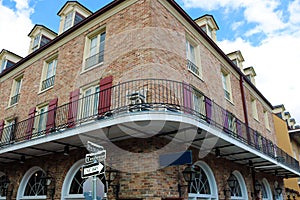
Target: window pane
x=44, y=40
x=35, y=185
x=77, y=184
x=68, y=21
x=78, y=18
x=93, y=47
x=18, y=86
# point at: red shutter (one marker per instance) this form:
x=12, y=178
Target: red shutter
x=73, y=108
x=105, y=95
x=30, y=123
x=50, y=124
x=1, y=128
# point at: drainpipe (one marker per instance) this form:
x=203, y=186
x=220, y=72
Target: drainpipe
x=248, y=132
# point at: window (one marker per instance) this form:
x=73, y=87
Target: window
x=192, y=57
x=68, y=21
x=239, y=190
x=254, y=108
x=3, y=185
x=266, y=117
x=90, y=101
x=78, y=18
x=6, y=64
x=266, y=190
x=226, y=85
x=39, y=41
x=8, y=131
x=95, y=50
x=31, y=185
x=49, y=74
x=40, y=120
x=204, y=186
x=16, y=89
x=198, y=101
x=36, y=42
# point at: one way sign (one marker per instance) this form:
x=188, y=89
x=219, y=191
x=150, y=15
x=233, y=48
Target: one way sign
x=92, y=169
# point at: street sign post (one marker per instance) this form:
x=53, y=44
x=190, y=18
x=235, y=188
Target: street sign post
x=94, y=164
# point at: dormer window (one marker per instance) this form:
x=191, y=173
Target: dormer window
x=71, y=14
x=71, y=20
x=208, y=24
x=39, y=41
x=40, y=36
x=6, y=64
x=68, y=21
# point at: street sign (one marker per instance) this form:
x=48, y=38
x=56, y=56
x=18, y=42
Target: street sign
x=93, y=148
x=99, y=156
x=92, y=169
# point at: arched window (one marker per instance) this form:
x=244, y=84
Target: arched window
x=3, y=185
x=32, y=185
x=239, y=191
x=73, y=183
x=266, y=190
x=204, y=186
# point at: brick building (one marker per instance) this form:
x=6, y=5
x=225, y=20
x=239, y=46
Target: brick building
x=149, y=84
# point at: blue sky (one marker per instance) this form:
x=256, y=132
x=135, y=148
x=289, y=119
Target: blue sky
x=266, y=31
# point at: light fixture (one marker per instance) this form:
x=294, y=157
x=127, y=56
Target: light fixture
x=47, y=179
x=66, y=150
x=231, y=181
x=189, y=175
x=112, y=175
x=278, y=190
x=22, y=159
x=218, y=153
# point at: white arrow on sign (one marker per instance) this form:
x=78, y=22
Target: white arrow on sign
x=99, y=156
x=92, y=170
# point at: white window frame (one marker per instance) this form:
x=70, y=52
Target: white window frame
x=45, y=73
x=68, y=181
x=16, y=90
x=212, y=184
x=266, y=184
x=90, y=100
x=242, y=184
x=266, y=118
x=100, y=47
x=23, y=183
x=193, y=56
x=254, y=108
x=226, y=84
x=40, y=119
x=68, y=20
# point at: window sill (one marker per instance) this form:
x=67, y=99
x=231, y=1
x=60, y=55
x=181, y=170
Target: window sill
x=91, y=68
x=198, y=76
x=45, y=90
x=10, y=106
x=229, y=101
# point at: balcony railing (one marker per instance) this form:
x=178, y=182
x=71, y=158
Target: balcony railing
x=48, y=82
x=194, y=68
x=94, y=60
x=14, y=99
x=139, y=96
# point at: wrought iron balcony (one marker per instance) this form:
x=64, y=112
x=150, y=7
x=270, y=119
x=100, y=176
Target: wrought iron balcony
x=193, y=67
x=145, y=95
x=48, y=83
x=14, y=99
x=94, y=60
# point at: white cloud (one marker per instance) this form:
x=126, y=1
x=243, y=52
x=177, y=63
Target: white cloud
x=294, y=9
x=15, y=24
x=263, y=13
x=236, y=25
x=276, y=62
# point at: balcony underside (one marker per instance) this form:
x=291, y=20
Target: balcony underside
x=181, y=128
